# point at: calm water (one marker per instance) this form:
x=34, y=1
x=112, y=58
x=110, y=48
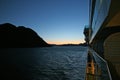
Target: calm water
x=50, y=63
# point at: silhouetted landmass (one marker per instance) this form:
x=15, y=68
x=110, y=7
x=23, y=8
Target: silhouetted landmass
x=12, y=36
x=81, y=44
x=69, y=45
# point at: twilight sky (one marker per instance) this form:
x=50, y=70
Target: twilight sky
x=56, y=21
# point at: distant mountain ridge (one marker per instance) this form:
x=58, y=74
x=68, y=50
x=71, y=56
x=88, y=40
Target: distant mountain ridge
x=81, y=44
x=12, y=36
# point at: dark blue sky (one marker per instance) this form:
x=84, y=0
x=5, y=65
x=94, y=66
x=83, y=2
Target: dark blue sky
x=56, y=21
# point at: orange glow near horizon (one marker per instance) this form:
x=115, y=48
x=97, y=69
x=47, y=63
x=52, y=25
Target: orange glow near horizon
x=65, y=42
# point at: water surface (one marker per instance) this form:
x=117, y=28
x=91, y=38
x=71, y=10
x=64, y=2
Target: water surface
x=49, y=63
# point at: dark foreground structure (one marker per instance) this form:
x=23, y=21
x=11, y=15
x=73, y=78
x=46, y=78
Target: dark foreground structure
x=103, y=37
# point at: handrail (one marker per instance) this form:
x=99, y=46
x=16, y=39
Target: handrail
x=86, y=64
x=95, y=54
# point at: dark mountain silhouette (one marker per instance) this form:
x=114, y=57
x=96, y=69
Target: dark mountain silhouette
x=12, y=36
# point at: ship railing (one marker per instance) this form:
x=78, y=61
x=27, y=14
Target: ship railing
x=102, y=71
